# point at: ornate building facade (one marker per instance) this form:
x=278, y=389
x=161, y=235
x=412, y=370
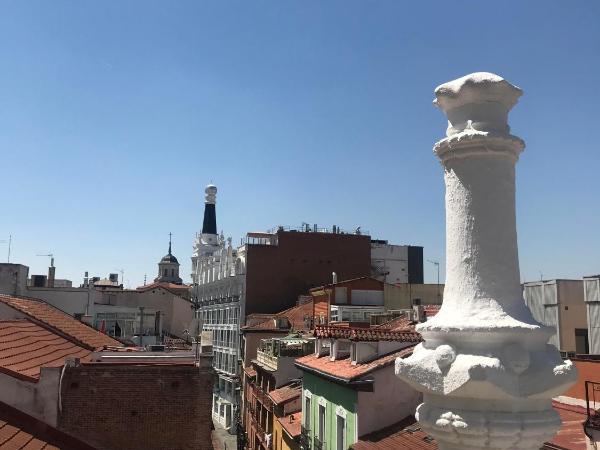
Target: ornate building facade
x=218, y=286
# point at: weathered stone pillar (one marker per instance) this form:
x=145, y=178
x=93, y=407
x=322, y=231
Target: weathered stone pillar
x=485, y=369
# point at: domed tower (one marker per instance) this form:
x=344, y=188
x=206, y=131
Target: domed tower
x=207, y=242
x=209, y=224
x=168, y=268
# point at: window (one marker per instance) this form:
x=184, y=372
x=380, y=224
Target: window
x=307, y=411
x=166, y=273
x=321, y=422
x=341, y=433
x=172, y=272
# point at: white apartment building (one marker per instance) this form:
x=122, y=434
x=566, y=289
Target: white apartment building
x=396, y=263
x=218, y=285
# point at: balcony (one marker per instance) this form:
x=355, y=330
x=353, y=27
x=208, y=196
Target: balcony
x=591, y=427
x=267, y=360
x=304, y=440
x=318, y=444
x=262, y=397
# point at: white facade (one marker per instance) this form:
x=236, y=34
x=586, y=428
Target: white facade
x=592, y=303
x=218, y=291
x=389, y=263
x=486, y=371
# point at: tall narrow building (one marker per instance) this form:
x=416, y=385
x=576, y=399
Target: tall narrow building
x=208, y=241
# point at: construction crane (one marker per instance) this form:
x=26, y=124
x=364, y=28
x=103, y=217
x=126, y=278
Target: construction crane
x=51, y=255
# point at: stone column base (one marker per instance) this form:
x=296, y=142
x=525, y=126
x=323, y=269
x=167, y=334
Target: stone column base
x=493, y=428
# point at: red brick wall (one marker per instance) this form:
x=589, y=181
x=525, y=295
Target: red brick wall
x=277, y=275
x=132, y=407
x=588, y=370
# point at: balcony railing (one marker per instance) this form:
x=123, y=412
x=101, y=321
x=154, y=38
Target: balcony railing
x=592, y=400
x=304, y=438
x=266, y=359
x=318, y=444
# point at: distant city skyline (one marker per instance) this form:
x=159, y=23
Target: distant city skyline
x=115, y=116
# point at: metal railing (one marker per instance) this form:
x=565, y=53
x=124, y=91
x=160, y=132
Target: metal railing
x=318, y=444
x=266, y=359
x=592, y=402
x=304, y=438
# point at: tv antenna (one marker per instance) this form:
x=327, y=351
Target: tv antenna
x=4, y=241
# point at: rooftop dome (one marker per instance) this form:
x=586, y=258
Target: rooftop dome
x=169, y=259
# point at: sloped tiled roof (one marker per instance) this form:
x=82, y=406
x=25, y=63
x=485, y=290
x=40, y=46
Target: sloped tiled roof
x=59, y=321
x=294, y=315
x=344, y=369
x=19, y=431
x=291, y=423
x=177, y=289
x=408, y=435
x=26, y=347
x=405, y=435
x=398, y=324
x=367, y=334
x=286, y=393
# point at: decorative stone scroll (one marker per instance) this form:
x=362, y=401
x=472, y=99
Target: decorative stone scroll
x=485, y=369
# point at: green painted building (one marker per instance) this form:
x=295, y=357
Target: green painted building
x=329, y=413
x=352, y=392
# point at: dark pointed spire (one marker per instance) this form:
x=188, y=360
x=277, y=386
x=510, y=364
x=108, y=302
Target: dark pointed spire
x=170, y=235
x=209, y=225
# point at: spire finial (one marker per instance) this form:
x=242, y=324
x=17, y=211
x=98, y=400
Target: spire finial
x=170, y=235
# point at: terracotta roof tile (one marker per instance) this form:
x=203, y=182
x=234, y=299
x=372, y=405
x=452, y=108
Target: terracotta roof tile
x=177, y=289
x=295, y=317
x=59, y=321
x=26, y=347
x=570, y=435
x=344, y=369
x=406, y=434
x=286, y=393
x=291, y=423
x=398, y=324
x=19, y=431
x=367, y=334
x=431, y=310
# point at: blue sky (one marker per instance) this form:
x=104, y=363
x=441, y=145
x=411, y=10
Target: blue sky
x=114, y=115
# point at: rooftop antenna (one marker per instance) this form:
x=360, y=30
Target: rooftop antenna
x=437, y=264
x=3, y=241
x=144, y=279
x=122, y=272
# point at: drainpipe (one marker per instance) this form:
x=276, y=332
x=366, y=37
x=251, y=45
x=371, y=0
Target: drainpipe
x=141, y=325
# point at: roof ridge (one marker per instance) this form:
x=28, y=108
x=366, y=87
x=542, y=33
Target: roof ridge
x=41, y=319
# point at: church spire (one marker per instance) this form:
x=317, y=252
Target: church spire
x=209, y=225
x=170, y=235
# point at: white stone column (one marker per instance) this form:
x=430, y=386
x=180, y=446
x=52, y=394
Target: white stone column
x=485, y=369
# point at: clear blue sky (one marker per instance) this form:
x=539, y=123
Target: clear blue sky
x=114, y=115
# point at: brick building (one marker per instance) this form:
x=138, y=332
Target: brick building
x=271, y=346
x=84, y=384
x=138, y=406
